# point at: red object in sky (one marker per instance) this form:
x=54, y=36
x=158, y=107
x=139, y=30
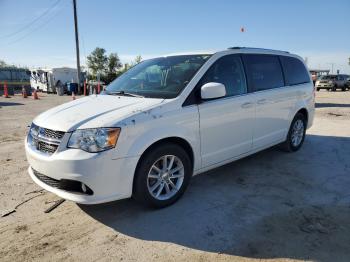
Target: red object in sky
x=242, y=29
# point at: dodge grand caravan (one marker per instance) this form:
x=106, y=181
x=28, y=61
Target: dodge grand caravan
x=167, y=119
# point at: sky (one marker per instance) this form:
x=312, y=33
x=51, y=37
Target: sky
x=40, y=33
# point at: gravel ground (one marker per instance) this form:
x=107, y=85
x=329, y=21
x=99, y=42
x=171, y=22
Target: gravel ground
x=272, y=205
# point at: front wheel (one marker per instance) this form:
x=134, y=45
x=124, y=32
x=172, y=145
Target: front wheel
x=162, y=175
x=296, y=134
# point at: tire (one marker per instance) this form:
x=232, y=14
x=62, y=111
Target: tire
x=334, y=88
x=318, y=89
x=289, y=145
x=150, y=172
x=343, y=89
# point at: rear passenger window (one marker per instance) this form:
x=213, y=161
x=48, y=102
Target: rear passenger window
x=227, y=70
x=263, y=71
x=294, y=71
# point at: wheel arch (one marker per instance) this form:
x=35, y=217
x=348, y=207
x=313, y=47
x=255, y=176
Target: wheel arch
x=175, y=140
x=304, y=112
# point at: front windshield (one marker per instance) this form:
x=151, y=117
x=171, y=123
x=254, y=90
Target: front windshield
x=163, y=77
x=328, y=77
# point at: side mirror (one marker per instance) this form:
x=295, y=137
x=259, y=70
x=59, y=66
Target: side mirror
x=212, y=90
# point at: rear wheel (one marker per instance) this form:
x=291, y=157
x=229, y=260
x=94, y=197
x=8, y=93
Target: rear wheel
x=296, y=134
x=162, y=176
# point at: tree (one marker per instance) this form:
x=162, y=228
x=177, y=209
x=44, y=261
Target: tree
x=127, y=66
x=2, y=63
x=138, y=59
x=113, y=63
x=109, y=67
x=97, y=61
x=112, y=67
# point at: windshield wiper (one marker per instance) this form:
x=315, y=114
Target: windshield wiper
x=123, y=93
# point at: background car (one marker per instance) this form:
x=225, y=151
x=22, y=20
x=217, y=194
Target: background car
x=347, y=83
x=332, y=82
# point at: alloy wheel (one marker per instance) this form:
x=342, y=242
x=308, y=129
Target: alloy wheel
x=165, y=177
x=297, y=132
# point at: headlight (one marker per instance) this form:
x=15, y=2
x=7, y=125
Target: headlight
x=33, y=135
x=94, y=140
x=34, y=130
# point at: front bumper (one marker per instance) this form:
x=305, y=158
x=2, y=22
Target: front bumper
x=110, y=179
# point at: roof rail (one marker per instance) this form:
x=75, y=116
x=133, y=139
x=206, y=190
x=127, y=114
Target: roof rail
x=256, y=48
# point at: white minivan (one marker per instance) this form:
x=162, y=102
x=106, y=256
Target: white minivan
x=167, y=119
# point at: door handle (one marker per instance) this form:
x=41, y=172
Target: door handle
x=262, y=101
x=247, y=105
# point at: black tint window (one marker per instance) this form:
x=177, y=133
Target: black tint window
x=227, y=70
x=263, y=71
x=294, y=71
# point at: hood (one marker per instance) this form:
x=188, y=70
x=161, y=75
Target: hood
x=93, y=111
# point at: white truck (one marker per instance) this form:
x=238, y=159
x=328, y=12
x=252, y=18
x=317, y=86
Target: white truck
x=47, y=80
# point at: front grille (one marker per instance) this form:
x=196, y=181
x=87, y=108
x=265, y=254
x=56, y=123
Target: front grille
x=47, y=148
x=64, y=184
x=52, y=133
x=44, y=140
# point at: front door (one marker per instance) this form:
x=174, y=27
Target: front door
x=226, y=124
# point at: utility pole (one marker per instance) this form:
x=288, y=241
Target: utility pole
x=77, y=43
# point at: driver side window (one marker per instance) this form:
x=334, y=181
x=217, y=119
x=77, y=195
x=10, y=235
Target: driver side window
x=227, y=70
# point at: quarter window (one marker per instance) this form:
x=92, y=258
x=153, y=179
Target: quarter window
x=294, y=71
x=227, y=70
x=263, y=71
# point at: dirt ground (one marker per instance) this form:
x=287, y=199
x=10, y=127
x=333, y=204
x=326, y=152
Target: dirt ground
x=269, y=206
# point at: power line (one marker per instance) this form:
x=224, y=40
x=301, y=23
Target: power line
x=32, y=22
x=40, y=26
